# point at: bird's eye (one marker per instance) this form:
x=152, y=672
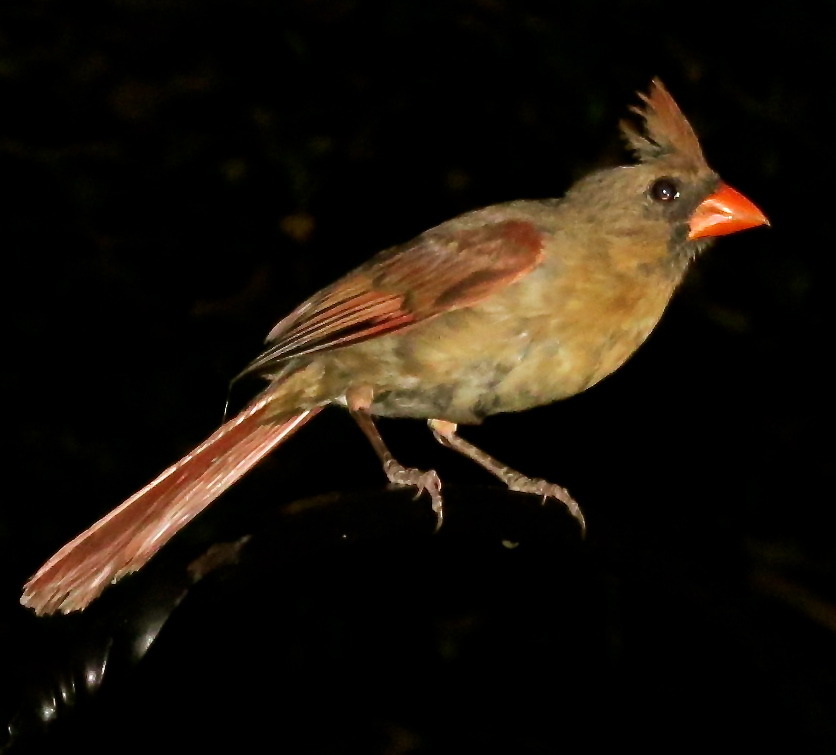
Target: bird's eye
x=664, y=190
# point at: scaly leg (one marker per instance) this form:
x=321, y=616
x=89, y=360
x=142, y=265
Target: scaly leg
x=359, y=400
x=445, y=433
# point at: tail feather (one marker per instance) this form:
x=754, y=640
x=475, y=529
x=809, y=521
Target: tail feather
x=126, y=538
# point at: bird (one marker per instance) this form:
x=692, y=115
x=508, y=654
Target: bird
x=501, y=309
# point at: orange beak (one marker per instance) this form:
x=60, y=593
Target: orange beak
x=724, y=211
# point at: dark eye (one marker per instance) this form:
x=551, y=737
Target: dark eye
x=664, y=190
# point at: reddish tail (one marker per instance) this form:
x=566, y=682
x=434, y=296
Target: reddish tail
x=132, y=533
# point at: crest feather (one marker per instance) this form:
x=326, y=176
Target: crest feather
x=666, y=131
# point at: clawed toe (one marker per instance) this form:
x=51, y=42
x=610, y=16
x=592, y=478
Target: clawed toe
x=424, y=481
x=547, y=490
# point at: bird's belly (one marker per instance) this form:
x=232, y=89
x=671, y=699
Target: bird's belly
x=559, y=368
x=471, y=364
x=525, y=374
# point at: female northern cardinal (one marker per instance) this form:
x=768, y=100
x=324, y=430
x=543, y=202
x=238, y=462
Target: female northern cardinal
x=498, y=310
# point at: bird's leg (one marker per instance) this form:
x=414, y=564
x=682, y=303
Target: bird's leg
x=359, y=400
x=445, y=433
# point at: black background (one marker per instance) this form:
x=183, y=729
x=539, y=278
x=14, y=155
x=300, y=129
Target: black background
x=176, y=176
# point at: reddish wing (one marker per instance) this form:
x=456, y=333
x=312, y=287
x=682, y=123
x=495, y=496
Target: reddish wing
x=439, y=271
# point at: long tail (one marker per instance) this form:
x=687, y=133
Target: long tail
x=125, y=539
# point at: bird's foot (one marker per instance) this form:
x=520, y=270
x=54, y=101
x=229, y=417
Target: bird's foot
x=536, y=486
x=422, y=480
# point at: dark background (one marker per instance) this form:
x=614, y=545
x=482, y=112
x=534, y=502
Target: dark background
x=176, y=176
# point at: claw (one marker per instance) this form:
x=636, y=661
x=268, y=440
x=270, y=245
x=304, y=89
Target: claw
x=547, y=489
x=445, y=433
x=428, y=481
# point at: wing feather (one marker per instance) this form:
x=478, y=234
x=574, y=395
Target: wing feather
x=444, y=269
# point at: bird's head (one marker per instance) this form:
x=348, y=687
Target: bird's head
x=675, y=180
x=670, y=197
